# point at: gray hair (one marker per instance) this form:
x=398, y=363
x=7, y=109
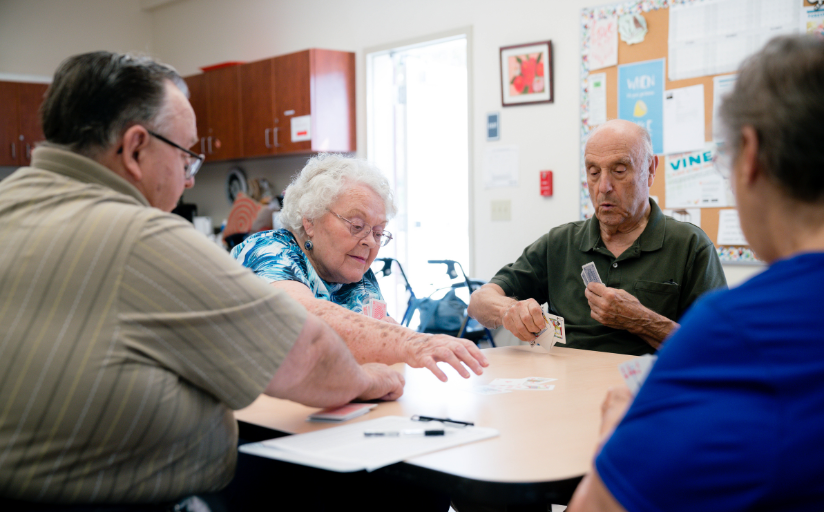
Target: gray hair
x=780, y=94
x=322, y=181
x=95, y=97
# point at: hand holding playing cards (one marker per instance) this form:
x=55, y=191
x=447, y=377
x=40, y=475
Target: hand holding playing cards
x=426, y=350
x=613, y=409
x=524, y=319
x=385, y=383
x=614, y=308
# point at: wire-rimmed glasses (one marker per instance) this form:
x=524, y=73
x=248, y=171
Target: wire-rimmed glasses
x=195, y=160
x=360, y=229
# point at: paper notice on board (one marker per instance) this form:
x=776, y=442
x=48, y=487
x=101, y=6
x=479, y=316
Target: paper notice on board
x=301, y=128
x=721, y=86
x=813, y=21
x=684, y=119
x=501, y=166
x=603, y=48
x=691, y=180
x=597, y=99
x=729, y=229
x=691, y=215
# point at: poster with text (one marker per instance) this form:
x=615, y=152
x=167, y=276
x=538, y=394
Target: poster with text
x=641, y=98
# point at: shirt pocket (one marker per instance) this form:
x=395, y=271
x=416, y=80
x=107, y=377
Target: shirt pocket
x=659, y=297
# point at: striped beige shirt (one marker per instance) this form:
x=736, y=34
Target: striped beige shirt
x=127, y=339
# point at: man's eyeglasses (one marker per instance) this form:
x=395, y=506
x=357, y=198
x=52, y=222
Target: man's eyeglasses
x=195, y=160
x=360, y=229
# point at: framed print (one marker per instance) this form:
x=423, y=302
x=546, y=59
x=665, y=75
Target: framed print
x=526, y=74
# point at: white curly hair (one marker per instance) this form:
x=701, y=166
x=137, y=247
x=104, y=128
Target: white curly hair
x=321, y=182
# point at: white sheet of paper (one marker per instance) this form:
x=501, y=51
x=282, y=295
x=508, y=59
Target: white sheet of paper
x=346, y=449
x=691, y=215
x=501, y=166
x=684, y=119
x=721, y=85
x=729, y=229
x=603, y=49
x=597, y=83
x=301, y=128
x=691, y=181
x=713, y=37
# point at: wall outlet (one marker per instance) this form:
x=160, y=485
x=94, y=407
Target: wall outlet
x=502, y=210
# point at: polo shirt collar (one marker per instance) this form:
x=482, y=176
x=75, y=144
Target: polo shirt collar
x=59, y=160
x=651, y=239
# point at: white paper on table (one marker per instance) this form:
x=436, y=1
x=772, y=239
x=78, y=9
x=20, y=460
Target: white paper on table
x=345, y=448
x=684, y=119
x=713, y=37
x=729, y=229
x=597, y=99
x=721, y=85
x=691, y=215
x=691, y=180
x=603, y=48
x=501, y=166
x=301, y=128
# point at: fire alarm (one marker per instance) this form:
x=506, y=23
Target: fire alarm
x=546, y=183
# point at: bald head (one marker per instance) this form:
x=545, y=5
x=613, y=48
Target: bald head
x=619, y=131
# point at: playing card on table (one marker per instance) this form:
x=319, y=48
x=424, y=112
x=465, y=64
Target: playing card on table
x=378, y=309
x=590, y=274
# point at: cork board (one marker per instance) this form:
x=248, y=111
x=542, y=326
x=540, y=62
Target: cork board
x=654, y=46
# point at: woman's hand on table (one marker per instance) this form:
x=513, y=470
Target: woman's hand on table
x=385, y=383
x=426, y=350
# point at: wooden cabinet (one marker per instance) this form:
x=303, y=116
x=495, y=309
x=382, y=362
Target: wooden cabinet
x=215, y=98
x=299, y=103
x=20, y=126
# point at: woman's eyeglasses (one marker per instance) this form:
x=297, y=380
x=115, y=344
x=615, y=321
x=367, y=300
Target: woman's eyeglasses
x=360, y=229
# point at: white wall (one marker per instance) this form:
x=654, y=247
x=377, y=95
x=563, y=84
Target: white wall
x=35, y=35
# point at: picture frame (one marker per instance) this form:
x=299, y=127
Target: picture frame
x=526, y=74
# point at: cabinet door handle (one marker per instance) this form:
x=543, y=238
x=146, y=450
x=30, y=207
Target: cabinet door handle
x=202, y=145
x=28, y=151
x=266, y=137
x=13, y=151
x=276, y=136
x=209, y=144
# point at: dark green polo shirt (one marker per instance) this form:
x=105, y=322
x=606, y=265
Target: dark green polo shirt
x=668, y=267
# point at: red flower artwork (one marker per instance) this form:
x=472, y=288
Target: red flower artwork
x=527, y=72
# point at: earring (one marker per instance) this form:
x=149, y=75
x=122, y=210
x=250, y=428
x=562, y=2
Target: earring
x=308, y=245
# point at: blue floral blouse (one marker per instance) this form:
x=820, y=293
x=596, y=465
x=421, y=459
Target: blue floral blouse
x=276, y=256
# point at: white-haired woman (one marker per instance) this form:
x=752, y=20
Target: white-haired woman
x=335, y=213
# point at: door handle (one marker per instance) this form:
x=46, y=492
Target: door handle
x=266, y=137
x=209, y=144
x=276, y=136
x=202, y=143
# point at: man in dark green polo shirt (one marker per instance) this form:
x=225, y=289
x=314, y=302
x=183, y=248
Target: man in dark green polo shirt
x=652, y=266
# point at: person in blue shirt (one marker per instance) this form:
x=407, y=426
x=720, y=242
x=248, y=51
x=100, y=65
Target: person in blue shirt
x=335, y=213
x=732, y=413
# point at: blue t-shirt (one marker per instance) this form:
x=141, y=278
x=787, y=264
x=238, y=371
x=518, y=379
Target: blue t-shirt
x=276, y=256
x=731, y=416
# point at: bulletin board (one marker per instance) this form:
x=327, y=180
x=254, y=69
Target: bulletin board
x=654, y=46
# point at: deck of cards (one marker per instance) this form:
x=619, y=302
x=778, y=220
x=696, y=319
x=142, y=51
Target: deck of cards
x=590, y=274
x=554, y=331
x=342, y=413
x=375, y=308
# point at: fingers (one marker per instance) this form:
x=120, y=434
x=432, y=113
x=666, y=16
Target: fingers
x=384, y=383
x=524, y=319
x=432, y=366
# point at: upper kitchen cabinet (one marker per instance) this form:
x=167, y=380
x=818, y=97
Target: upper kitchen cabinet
x=20, y=127
x=299, y=103
x=215, y=98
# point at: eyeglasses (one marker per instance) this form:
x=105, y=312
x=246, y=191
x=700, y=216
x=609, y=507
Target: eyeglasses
x=722, y=161
x=195, y=160
x=362, y=230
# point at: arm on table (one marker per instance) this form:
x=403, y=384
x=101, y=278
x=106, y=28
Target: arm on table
x=592, y=494
x=490, y=306
x=320, y=371
x=621, y=310
x=372, y=340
